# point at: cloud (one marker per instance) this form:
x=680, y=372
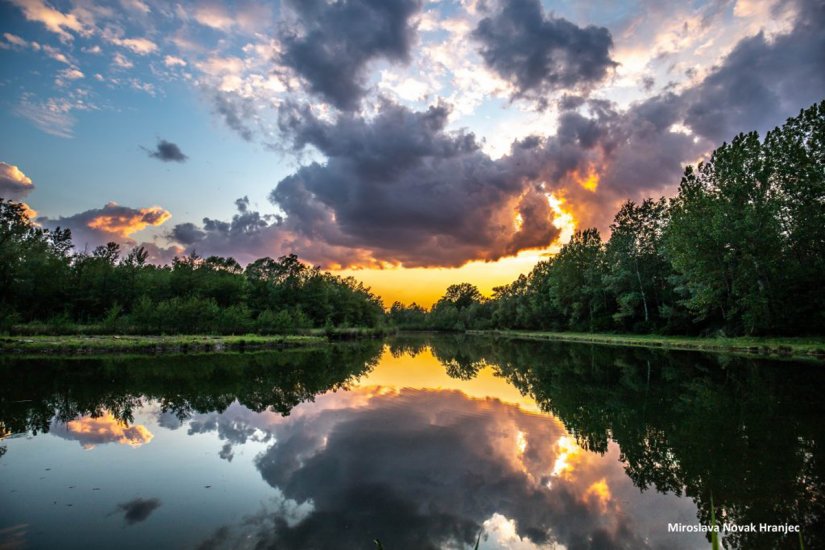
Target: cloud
x=14, y=184
x=167, y=151
x=137, y=6
x=112, y=223
x=52, y=116
x=540, y=54
x=160, y=255
x=68, y=75
x=54, y=20
x=246, y=237
x=138, y=509
x=396, y=189
x=331, y=44
x=91, y=431
x=214, y=16
x=762, y=81
x=15, y=40
x=186, y=233
x=121, y=61
x=427, y=469
x=173, y=61
x=233, y=426
x=408, y=191
x=235, y=111
x=140, y=46
x=401, y=189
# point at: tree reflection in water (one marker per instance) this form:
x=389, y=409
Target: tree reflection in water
x=748, y=431
x=420, y=467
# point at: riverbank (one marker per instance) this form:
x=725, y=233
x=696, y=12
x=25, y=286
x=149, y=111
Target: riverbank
x=810, y=348
x=106, y=344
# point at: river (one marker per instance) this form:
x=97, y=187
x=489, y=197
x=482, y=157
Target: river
x=418, y=441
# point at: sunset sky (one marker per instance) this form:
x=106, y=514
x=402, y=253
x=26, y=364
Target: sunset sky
x=410, y=143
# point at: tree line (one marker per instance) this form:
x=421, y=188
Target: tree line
x=739, y=250
x=46, y=285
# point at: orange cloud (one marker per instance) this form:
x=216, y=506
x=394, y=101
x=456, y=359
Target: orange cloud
x=30, y=212
x=122, y=222
x=112, y=223
x=107, y=429
x=14, y=184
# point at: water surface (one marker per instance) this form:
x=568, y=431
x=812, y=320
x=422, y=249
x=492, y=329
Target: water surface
x=420, y=442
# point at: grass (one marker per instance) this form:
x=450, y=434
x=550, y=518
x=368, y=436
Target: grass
x=77, y=344
x=774, y=347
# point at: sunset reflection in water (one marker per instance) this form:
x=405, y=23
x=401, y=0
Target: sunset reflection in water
x=419, y=452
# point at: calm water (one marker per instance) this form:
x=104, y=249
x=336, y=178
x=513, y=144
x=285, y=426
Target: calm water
x=421, y=443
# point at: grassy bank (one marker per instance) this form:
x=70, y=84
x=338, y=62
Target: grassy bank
x=104, y=344
x=772, y=347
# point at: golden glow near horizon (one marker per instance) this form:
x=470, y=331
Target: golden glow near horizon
x=425, y=371
x=425, y=285
x=569, y=464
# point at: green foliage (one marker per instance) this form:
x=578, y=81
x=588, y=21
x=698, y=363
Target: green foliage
x=462, y=307
x=739, y=251
x=42, y=281
x=747, y=231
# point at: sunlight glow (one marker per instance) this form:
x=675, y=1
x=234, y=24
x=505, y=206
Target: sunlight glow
x=563, y=219
x=521, y=442
x=518, y=222
x=568, y=451
x=600, y=491
x=588, y=180
x=424, y=285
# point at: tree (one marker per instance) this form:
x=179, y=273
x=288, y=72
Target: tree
x=724, y=238
x=461, y=296
x=576, y=279
x=637, y=269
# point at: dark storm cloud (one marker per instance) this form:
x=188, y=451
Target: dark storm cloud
x=407, y=190
x=334, y=42
x=425, y=469
x=394, y=189
x=762, y=82
x=167, y=152
x=138, y=510
x=400, y=188
x=540, y=54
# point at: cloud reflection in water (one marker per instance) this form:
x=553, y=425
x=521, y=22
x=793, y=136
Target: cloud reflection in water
x=90, y=431
x=425, y=468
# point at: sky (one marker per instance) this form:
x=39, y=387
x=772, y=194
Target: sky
x=409, y=143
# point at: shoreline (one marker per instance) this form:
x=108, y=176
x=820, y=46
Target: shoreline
x=767, y=347
x=150, y=345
